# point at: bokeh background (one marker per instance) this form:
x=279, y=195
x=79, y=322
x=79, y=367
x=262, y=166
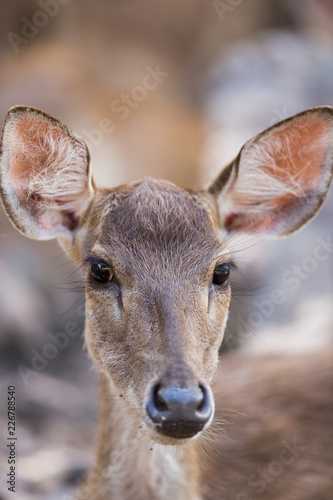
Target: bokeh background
x=230, y=68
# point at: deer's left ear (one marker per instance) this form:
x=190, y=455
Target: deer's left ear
x=45, y=179
x=280, y=178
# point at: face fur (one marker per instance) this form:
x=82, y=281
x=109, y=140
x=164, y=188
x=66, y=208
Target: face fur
x=155, y=306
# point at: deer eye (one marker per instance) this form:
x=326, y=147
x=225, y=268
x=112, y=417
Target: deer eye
x=101, y=272
x=221, y=274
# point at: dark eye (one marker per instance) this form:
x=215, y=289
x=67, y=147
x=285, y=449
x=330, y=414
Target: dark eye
x=221, y=274
x=101, y=272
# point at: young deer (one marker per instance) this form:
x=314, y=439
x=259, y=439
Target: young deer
x=157, y=294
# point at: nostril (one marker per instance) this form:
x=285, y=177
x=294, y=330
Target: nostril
x=203, y=398
x=158, y=399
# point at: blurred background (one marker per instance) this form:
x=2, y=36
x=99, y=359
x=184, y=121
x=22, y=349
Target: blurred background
x=220, y=71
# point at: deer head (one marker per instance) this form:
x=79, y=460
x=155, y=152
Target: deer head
x=154, y=256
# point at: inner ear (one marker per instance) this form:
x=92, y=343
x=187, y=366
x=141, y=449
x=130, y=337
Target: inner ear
x=280, y=178
x=45, y=173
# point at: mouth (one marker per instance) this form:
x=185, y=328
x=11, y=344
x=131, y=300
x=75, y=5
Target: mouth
x=178, y=430
x=177, y=435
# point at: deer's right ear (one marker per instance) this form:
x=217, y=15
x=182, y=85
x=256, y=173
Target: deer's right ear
x=280, y=178
x=45, y=181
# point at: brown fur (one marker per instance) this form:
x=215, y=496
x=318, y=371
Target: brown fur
x=277, y=412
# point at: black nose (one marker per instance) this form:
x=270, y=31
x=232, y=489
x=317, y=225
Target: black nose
x=179, y=412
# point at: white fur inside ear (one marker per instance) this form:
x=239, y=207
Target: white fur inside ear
x=261, y=179
x=282, y=178
x=45, y=174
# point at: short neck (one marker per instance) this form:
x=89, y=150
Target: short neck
x=129, y=465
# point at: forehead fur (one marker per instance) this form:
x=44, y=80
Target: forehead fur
x=155, y=220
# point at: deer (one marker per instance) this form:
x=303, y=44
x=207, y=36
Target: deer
x=156, y=267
